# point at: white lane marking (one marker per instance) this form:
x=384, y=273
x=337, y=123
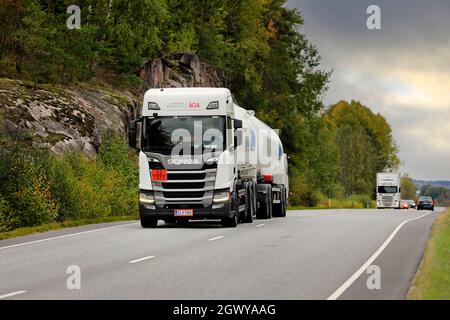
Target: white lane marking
x=215, y=238
x=363, y=268
x=260, y=225
x=12, y=294
x=141, y=259
x=65, y=236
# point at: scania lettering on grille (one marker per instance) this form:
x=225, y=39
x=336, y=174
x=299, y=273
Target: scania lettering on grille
x=177, y=161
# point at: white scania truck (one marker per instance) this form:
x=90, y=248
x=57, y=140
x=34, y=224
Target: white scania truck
x=388, y=190
x=203, y=157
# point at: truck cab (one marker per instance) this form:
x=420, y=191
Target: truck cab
x=182, y=136
x=388, y=190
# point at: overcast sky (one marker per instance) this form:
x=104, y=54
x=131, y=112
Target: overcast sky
x=401, y=71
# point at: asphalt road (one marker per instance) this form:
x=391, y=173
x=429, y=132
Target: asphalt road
x=307, y=255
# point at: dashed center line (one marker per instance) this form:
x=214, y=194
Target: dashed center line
x=12, y=294
x=260, y=225
x=215, y=238
x=141, y=259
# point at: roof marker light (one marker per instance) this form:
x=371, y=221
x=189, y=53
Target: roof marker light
x=153, y=106
x=213, y=105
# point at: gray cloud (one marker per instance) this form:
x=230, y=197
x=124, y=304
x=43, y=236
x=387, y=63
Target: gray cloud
x=401, y=71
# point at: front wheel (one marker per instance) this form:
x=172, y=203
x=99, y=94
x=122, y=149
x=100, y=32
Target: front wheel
x=234, y=220
x=230, y=222
x=149, y=222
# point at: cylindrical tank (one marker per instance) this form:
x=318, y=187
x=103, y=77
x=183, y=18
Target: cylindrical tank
x=261, y=145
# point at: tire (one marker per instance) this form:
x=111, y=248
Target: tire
x=284, y=204
x=265, y=208
x=230, y=222
x=270, y=204
x=234, y=220
x=249, y=205
x=279, y=210
x=149, y=222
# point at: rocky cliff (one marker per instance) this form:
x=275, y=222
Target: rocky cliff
x=65, y=117
x=181, y=69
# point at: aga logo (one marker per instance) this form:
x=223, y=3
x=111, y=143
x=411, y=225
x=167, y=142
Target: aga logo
x=194, y=105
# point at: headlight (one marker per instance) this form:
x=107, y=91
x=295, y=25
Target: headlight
x=146, y=198
x=154, y=163
x=221, y=197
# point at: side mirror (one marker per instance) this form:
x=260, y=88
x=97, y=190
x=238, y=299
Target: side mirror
x=237, y=138
x=237, y=124
x=132, y=133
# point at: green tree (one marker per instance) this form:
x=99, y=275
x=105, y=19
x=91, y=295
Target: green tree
x=365, y=145
x=439, y=194
x=408, y=188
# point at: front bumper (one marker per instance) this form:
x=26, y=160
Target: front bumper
x=167, y=213
x=386, y=206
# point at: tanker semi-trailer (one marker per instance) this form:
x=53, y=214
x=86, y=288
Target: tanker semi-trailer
x=203, y=157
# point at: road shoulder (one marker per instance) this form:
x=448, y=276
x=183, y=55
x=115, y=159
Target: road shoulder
x=60, y=233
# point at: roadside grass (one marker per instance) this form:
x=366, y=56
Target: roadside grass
x=348, y=203
x=61, y=225
x=432, y=279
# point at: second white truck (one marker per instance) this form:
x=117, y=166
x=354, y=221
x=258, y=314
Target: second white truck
x=388, y=190
x=203, y=157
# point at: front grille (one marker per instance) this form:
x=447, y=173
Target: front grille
x=186, y=176
x=387, y=200
x=180, y=185
x=185, y=188
x=183, y=194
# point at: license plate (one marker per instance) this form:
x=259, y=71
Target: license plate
x=183, y=212
x=159, y=175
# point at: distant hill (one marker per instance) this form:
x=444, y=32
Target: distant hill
x=437, y=183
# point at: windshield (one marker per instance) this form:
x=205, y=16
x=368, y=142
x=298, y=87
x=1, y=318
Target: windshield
x=183, y=135
x=387, y=189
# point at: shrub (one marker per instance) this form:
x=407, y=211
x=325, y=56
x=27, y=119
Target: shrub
x=4, y=214
x=115, y=154
x=301, y=194
x=39, y=187
x=26, y=188
x=88, y=189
